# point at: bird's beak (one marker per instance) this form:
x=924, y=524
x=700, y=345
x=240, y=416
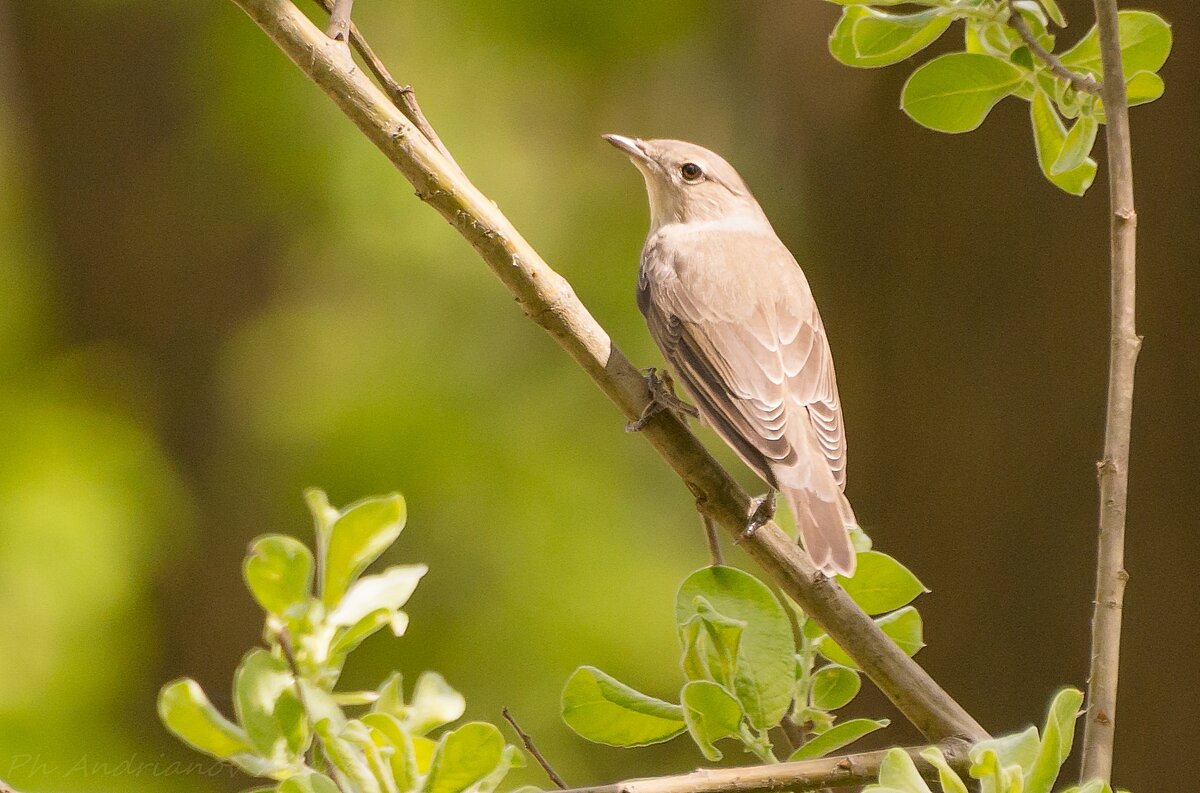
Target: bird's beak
x=631, y=146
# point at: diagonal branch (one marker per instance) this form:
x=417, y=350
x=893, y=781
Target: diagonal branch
x=1080, y=82
x=804, y=775
x=547, y=298
x=1113, y=469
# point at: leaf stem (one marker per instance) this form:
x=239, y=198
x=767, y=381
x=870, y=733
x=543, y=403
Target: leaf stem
x=1080, y=82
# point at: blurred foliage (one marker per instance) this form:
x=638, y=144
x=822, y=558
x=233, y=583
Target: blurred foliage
x=292, y=725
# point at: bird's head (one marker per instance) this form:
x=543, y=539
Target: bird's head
x=688, y=183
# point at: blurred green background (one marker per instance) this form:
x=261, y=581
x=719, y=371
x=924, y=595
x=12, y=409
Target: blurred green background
x=215, y=293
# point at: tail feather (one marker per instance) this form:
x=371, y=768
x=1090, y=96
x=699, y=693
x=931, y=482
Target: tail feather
x=824, y=529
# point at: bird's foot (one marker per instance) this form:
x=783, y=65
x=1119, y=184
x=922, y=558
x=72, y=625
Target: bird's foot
x=662, y=397
x=761, y=512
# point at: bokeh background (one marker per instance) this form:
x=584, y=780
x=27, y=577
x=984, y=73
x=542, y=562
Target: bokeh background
x=214, y=293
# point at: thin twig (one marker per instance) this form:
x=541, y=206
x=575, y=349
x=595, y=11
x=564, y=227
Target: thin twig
x=547, y=298
x=795, y=733
x=339, y=20
x=1081, y=82
x=289, y=655
x=714, y=542
x=1113, y=469
x=804, y=775
x=533, y=750
x=402, y=96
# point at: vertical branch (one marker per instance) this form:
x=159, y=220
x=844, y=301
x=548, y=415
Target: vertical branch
x=1113, y=469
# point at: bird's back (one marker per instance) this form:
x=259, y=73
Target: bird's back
x=734, y=315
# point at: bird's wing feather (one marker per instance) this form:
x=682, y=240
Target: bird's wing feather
x=758, y=365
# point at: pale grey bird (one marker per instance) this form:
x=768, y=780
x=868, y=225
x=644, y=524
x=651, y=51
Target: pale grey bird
x=733, y=314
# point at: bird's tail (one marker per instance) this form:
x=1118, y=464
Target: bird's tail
x=824, y=528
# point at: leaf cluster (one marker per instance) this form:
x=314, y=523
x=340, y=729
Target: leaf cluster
x=290, y=722
x=954, y=92
x=1026, y=762
x=753, y=673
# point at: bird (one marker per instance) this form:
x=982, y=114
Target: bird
x=734, y=316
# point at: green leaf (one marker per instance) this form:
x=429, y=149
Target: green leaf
x=765, y=674
x=1057, y=737
x=867, y=38
x=904, y=627
x=434, y=704
x=308, y=782
x=1055, y=13
x=386, y=731
x=1145, y=45
x=995, y=776
x=357, y=538
x=949, y=778
x=711, y=713
x=1049, y=136
x=955, y=92
x=259, y=685
x=604, y=710
x=391, y=696
x=279, y=572
x=389, y=590
x=834, y=686
x=511, y=758
x=360, y=735
x=1019, y=749
x=1023, y=58
x=349, y=638
x=711, y=642
x=1034, y=9
x=348, y=758
x=1143, y=87
x=321, y=705
x=900, y=772
x=836, y=737
x=186, y=712
x=1077, y=146
x=881, y=584
x=463, y=757
x=423, y=750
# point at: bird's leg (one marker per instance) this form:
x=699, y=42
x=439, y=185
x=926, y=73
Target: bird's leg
x=763, y=509
x=662, y=397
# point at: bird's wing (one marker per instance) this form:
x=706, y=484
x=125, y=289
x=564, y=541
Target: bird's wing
x=760, y=369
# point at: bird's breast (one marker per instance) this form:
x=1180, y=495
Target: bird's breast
x=727, y=266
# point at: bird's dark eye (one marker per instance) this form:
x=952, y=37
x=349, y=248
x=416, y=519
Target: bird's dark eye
x=691, y=172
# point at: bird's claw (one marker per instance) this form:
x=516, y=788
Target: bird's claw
x=662, y=397
x=761, y=513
